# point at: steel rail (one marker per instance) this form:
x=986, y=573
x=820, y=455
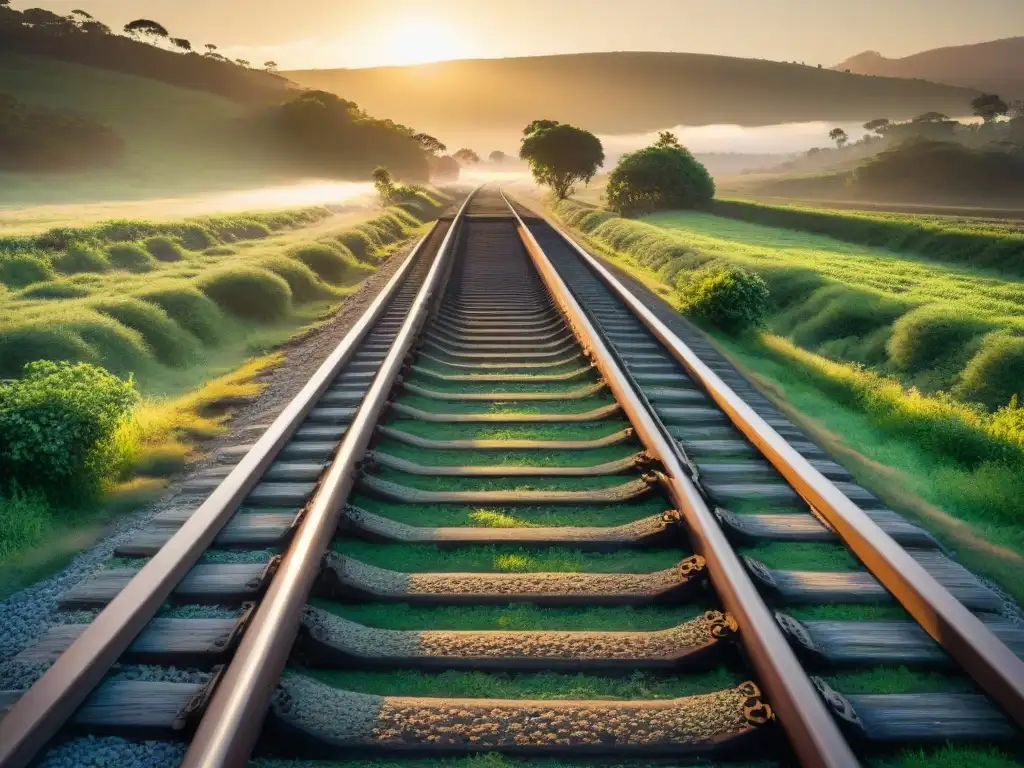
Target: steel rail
x=47, y=705
x=231, y=723
x=989, y=662
x=812, y=730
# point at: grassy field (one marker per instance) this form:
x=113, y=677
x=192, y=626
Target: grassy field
x=177, y=140
x=191, y=327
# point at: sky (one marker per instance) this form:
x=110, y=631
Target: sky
x=306, y=34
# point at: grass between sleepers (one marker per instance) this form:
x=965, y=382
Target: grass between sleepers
x=577, y=484
x=497, y=457
x=491, y=558
x=506, y=407
x=576, y=431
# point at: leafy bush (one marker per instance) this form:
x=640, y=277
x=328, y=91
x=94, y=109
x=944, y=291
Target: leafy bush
x=81, y=258
x=659, y=178
x=169, y=343
x=254, y=294
x=192, y=310
x=329, y=264
x=996, y=373
x=304, y=284
x=54, y=422
x=55, y=290
x=164, y=248
x=130, y=257
x=728, y=297
x=929, y=335
x=19, y=271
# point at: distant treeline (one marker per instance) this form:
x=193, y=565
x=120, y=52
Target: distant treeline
x=37, y=139
x=82, y=39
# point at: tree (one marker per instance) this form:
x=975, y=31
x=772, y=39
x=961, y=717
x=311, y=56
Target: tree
x=662, y=176
x=384, y=184
x=146, y=28
x=466, y=157
x=444, y=169
x=242, y=62
x=559, y=155
x=78, y=12
x=180, y=42
x=878, y=125
x=667, y=139
x=270, y=66
x=429, y=143
x=931, y=117
x=210, y=48
x=497, y=156
x=989, y=106
x=838, y=135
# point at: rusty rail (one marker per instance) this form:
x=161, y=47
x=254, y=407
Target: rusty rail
x=231, y=724
x=993, y=666
x=812, y=731
x=47, y=705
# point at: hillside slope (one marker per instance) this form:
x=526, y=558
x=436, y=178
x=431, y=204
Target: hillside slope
x=995, y=67
x=177, y=139
x=623, y=93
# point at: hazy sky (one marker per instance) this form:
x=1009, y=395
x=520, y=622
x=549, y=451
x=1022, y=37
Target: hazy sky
x=359, y=33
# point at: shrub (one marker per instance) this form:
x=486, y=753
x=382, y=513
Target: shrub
x=55, y=290
x=130, y=257
x=254, y=294
x=81, y=258
x=220, y=250
x=19, y=271
x=838, y=312
x=54, y=422
x=330, y=264
x=789, y=285
x=164, y=248
x=659, y=178
x=996, y=373
x=192, y=310
x=728, y=297
x=23, y=344
x=116, y=347
x=169, y=343
x=359, y=243
x=929, y=335
x=304, y=284
x=196, y=237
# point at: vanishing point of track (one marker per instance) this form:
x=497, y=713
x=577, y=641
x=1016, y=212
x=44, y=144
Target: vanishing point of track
x=514, y=472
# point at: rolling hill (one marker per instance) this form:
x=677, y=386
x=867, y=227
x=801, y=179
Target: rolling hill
x=490, y=100
x=994, y=67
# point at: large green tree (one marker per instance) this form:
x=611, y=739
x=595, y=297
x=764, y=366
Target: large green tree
x=989, y=106
x=561, y=155
x=663, y=176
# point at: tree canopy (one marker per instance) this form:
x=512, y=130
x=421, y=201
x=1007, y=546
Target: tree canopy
x=466, y=156
x=146, y=28
x=878, y=125
x=560, y=155
x=989, y=106
x=659, y=177
x=838, y=135
x=497, y=156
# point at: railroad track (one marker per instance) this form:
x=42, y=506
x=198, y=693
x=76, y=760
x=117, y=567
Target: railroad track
x=515, y=511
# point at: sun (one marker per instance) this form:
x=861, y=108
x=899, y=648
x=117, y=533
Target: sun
x=421, y=41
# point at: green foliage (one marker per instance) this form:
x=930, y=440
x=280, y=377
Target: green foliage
x=359, y=243
x=252, y=294
x=54, y=422
x=328, y=263
x=81, y=258
x=164, y=248
x=929, y=335
x=18, y=271
x=383, y=183
x=996, y=373
x=195, y=237
x=561, y=155
x=131, y=257
x=192, y=310
x=728, y=297
x=23, y=344
x=219, y=250
x=303, y=282
x=55, y=290
x=660, y=177
x=169, y=343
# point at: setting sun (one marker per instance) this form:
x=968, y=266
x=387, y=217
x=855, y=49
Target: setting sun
x=421, y=41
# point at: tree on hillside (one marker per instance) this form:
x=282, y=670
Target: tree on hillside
x=78, y=12
x=270, y=66
x=182, y=43
x=662, y=176
x=931, y=117
x=432, y=145
x=210, y=48
x=878, y=125
x=667, y=139
x=466, y=156
x=838, y=135
x=242, y=62
x=559, y=155
x=146, y=28
x=989, y=106
x=384, y=184
x=497, y=156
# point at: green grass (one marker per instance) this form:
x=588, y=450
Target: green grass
x=425, y=558
x=948, y=756
x=505, y=407
x=881, y=680
x=438, y=515
x=583, y=430
x=544, y=685
x=431, y=483
x=867, y=612
x=527, y=458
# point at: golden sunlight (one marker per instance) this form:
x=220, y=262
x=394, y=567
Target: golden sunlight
x=421, y=41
